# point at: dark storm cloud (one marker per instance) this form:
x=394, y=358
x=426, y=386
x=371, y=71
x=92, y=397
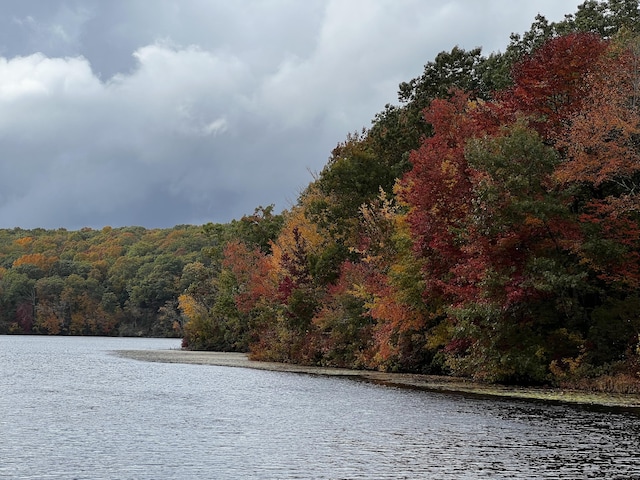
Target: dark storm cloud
x=165, y=112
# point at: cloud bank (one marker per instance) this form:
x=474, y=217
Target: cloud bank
x=118, y=113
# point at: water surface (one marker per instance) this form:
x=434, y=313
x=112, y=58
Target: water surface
x=70, y=409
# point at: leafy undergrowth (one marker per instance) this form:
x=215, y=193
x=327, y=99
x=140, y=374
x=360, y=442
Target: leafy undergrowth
x=619, y=383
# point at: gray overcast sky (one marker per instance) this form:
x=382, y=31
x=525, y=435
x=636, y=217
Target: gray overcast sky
x=166, y=112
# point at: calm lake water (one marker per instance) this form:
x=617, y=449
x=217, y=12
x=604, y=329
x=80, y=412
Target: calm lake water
x=71, y=409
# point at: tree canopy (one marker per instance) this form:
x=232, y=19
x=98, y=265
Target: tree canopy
x=485, y=226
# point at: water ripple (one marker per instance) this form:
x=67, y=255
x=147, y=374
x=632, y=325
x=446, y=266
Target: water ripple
x=70, y=410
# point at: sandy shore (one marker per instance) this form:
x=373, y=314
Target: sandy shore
x=425, y=382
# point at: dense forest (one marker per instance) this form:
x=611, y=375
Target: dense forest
x=487, y=226
x=114, y=281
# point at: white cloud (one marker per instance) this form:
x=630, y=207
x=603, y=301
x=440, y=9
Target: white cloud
x=69, y=136
x=37, y=76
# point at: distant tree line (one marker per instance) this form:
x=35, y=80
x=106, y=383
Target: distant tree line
x=114, y=281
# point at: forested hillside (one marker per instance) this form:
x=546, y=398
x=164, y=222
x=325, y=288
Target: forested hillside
x=487, y=226
x=108, y=282
x=114, y=281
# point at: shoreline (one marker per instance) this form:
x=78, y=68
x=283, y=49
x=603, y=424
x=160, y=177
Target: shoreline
x=629, y=402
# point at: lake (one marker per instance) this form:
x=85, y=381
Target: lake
x=71, y=409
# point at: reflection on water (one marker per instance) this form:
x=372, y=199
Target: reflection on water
x=70, y=409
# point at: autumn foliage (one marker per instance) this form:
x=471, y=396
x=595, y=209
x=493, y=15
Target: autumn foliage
x=508, y=249
x=123, y=281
